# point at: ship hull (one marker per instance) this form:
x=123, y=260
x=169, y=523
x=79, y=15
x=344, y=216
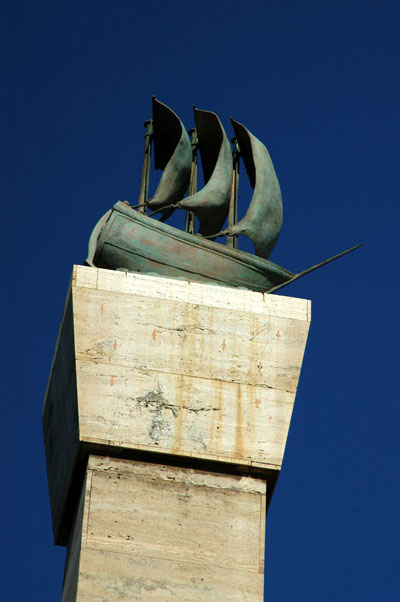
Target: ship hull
x=127, y=239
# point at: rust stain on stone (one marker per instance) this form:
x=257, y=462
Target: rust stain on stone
x=259, y=365
x=216, y=418
x=115, y=344
x=223, y=345
x=112, y=381
x=257, y=403
x=101, y=309
x=177, y=444
x=278, y=334
x=154, y=334
x=240, y=427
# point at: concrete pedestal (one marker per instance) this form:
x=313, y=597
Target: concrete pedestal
x=165, y=421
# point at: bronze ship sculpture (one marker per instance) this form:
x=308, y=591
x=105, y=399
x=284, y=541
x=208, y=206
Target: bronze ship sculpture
x=127, y=238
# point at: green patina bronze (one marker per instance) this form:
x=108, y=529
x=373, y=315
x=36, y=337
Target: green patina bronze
x=172, y=154
x=211, y=203
x=128, y=239
x=263, y=220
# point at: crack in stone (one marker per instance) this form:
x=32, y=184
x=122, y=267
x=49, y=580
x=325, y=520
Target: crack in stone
x=197, y=410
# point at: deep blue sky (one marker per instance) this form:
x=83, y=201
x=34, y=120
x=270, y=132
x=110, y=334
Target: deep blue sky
x=318, y=83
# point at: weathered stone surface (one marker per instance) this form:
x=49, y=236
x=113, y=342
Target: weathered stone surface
x=151, y=532
x=158, y=365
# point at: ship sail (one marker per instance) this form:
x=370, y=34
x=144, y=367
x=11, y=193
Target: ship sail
x=210, y=204
x=263, y=220
x=172, y=154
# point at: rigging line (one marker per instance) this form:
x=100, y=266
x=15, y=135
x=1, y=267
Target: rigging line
x=221, y=233
x=140, y=205
x=161, y=209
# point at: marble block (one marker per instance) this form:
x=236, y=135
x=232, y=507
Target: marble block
x=156, y=533
x=187, y=371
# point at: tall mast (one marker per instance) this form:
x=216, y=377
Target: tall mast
x=231, y=241
x=190, y=216
x=144, y=184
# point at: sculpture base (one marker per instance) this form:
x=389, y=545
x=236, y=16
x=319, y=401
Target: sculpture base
x=152, y=532
x=172, y=372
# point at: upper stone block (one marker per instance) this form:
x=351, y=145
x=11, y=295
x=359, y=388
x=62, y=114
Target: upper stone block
x=168, y=366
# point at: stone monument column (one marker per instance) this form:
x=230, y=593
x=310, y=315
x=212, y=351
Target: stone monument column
x=165, y=422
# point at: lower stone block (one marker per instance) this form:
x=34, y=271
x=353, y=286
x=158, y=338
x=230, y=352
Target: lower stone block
x=150, y=532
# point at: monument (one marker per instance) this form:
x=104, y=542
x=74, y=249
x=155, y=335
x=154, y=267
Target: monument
x=173, y=380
